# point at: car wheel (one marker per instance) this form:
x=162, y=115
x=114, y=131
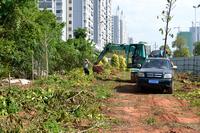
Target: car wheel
x=162, y=91
x=139, y=88
x=169, y=90
x=133, y=77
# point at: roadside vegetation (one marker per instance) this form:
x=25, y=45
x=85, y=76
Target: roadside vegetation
x=188, y=87
x=67, y=103
x=61, y=97
x=71, y=102
x=31, y=45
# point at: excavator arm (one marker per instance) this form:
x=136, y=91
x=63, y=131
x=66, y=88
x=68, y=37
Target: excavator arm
x=137, y=52
x=112, y=47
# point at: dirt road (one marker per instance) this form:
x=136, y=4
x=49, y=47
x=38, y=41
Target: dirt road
x=150, y=112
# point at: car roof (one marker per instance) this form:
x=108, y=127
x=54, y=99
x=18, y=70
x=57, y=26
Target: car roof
x=158, y=58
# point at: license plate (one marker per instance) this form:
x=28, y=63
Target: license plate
x=152, y=81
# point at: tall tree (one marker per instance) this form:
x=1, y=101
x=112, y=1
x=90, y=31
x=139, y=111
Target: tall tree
x=16, y=26
x=30, y=31
x=49, y=34
x=166, y=17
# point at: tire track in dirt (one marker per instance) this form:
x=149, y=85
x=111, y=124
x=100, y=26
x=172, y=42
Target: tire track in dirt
x=144, y=112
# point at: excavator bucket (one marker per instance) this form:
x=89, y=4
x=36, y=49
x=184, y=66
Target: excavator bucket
x=97, y=69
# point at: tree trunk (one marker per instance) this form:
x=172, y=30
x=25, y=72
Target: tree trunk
x=167, y=27
x=47, y=62
x=46, y=56
x=9, y=80
x=32, y=66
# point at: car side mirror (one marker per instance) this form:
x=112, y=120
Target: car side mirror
x=139, y=65
x=174, y=67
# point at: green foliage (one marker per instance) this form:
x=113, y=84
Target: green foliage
x=122, y=63
x=184, y=52
x=106, y=64
x=197, y=49
x=102, y=92
x=150, y=121
x=17, y=26
x=27, y=34
x=115, y=61
x=52, y=126
x=187, y=88
x=80, y=33
x=180, y=45
x=192, y=96
x=54, y=104
x=78, y=50
x=100, y=63
x=105, y=60
x=8, y=105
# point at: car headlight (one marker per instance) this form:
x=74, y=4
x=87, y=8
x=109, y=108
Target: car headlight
x=141, y=75
x=167, y=76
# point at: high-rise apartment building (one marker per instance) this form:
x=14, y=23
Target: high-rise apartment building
x=63, y=11
x=108, y=21
x=119, y=33
x=69, y=16
x=123, y=32
x=94, y=15
x=116, y=27
x=102, y=22
x=83, y=16
x=195, y=34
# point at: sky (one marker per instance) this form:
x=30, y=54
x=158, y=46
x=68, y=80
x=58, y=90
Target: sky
x=142, y=23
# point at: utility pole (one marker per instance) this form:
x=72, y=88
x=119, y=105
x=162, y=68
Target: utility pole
x=196, y=35
x=195, y=23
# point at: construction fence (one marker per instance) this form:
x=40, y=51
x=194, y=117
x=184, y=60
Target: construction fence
x=191, y=64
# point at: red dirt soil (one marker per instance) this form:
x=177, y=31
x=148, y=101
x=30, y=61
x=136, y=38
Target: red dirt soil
x=133, y=109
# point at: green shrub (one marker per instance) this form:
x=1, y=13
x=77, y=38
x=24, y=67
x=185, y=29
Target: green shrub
x=115, y=61
x=8, y=105
x=122, y=63
x=101, y=63
x=105, y=60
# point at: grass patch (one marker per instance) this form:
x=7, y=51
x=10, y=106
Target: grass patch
x=192, y=95
x=150, y=121
x=188, y=89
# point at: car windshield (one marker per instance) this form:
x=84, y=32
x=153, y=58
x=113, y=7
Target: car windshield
x=156, y=63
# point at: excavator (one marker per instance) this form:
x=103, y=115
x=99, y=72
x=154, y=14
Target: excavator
x=135, y=56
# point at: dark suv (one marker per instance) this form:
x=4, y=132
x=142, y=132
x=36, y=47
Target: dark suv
x=156, y=73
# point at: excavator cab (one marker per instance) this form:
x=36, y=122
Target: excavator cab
x=138, y=56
